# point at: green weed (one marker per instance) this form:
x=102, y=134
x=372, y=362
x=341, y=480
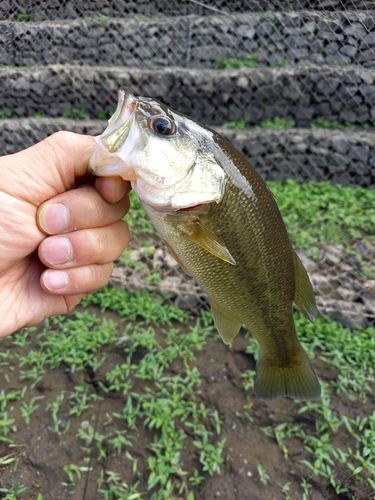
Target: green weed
x=283, y=63
x=249, y=61
x=5, y=113
x=277, y=123
x=322, y=123
x=105, y=115
x=316, y=212
x=237, y=124
x=75, y=114
x=263, y=476
x=26, y=17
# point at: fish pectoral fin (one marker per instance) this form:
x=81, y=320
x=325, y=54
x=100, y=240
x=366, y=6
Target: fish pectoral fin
x=210, y=242
x=296, y=380
x=304, y=297
x=226, y=325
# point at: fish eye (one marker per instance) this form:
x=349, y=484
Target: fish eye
x=162, y=125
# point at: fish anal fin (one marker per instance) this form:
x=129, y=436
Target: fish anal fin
x=177, y=258
x=296, y=379
x=210, y=242
x=225, y=324
x=304, y=295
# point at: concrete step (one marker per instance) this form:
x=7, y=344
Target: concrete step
x=280, y=39
x=26, y=10
x=341, y=157
x=301, y=94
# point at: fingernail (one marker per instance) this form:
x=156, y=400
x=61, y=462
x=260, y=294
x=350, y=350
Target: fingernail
x=57, y=250
x=54, y=218
x=55, y=280
x=120, y=190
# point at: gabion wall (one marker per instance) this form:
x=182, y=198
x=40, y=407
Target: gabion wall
x=307, y=63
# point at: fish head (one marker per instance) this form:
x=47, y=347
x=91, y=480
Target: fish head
x=165, y=155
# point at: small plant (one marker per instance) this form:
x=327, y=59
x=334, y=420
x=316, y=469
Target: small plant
x=249, y=61
x=263, y=476
x=237, y=124
x=25, y=17
x=283, y=63
x=102, y=18
x=75, y=114
x=105, y=115
x=5, y=113
x=28, y=409
x=277, y=123
x=210, y=456
x=322, y=123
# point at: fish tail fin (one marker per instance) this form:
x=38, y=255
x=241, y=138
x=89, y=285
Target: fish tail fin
x=296, y=379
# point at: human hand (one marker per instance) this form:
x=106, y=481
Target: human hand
x=57, y=243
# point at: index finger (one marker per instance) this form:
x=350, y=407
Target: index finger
x=80, y=208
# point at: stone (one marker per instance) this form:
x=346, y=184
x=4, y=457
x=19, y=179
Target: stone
x=243, y=82
x=369, y=291
x=22, y=84
x=349, y=50
x=348, y=116
x=366, y=55
x=322, y=284
x=349, y=316
x=332, y=255
x=245, y=32
x=119, y=277
x=340, y=145
x=357, y=30
x=328, y=85
x=359, y=168
x=368, y=40
x=358, y=153
x=346, y=294
x=337, y=163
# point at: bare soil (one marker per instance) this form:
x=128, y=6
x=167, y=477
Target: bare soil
x=43, y=452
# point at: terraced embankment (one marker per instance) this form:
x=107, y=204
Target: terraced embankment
x=346, y=158
x=308, y=67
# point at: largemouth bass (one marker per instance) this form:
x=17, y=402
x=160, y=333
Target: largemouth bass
x=223, y=226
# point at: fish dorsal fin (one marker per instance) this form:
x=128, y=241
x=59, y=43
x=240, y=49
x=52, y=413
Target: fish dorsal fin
x=226, y=325
x=210, y=242
x=304, y=297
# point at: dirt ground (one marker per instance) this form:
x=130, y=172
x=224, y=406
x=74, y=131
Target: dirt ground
x=43, y=452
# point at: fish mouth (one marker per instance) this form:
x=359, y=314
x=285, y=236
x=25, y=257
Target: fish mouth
x=119, y=140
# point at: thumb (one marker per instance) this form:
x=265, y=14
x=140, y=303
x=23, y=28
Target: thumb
x=51, y=166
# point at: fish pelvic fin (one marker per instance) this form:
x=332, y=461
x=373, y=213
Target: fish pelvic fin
x=177, y=259
x=210, y=242
x=304, y=297
x=225, y=324
x=296, y=379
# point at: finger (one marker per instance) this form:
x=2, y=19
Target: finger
x=81, y=208
x=79, y=280
x=88, y=246
x=112, y=189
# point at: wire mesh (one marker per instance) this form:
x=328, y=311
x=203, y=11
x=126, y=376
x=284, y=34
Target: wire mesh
x=291, y=84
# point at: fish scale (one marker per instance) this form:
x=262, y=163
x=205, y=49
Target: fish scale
x=223, y=225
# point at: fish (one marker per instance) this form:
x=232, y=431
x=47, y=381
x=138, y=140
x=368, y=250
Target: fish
x=222, y=224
